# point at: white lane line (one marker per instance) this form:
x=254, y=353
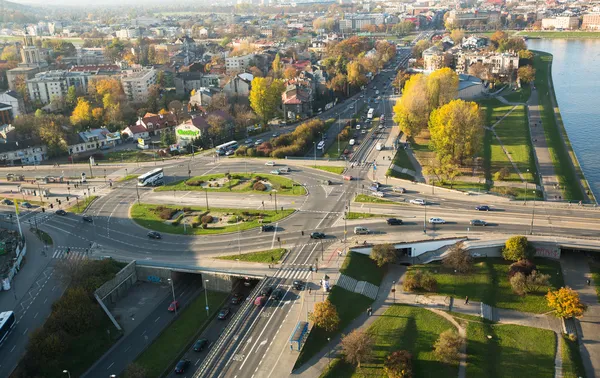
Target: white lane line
x=274, y=235
x=109, y=366
x=319, y=224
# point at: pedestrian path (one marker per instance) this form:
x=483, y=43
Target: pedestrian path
x=70, y=253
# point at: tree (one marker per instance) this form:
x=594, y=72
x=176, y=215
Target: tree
x=398, y=364
x=517, y=248
x=276, y=66
x=411, y=111
x=265, y=97
x=498, y=37
x=456, y=131
x=400, y=79
x=502, y=174
x=383, y=254
x=216, y=126
x=443, y=169
x=325, y=316
x=290, y=73
x=357, y=347
x=458, y=259
x=71, y=98
x=356, y=76
x=82, y=114
x=526, y=74
x=457, y=36
x=479, y=70
x=10, y=54
x=419, y=280
x=512, y=44
x=447, y=346
x=167, y=138
x=404, y=27
x=52, y=134
x=338, y=83
x=566, y=303
x=524, y=284
x=442, y=87
x=422, y=45
x=525, y=57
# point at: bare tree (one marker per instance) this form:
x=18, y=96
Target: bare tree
x=357, y=347
x=458, y=259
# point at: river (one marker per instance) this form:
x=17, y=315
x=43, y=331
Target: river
x=576, y=82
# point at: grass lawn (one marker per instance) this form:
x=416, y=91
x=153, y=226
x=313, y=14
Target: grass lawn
x=362, y=268
x=239, y=183
x=401, y=159
x=349, y=305
x=571, y=359
x=595, y=270
x=332, y=151
x=179, y=334
x=511, y=351
x=567, y=176
x=398, y=175
x=336, y=170
x=268, y=256
x=520, y=95
x=353, y=215
x=128, y=156
x=464, y=186
x=146, y=216
x=370, y=199
x=561, y=34
x=127, y=178
x=518, y=193
x=489, y=283
x=42, y=235
x=80, y=207
x=403, y=327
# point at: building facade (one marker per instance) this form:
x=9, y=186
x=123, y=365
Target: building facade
x=498, y=63
x=238, y=63
x=137, y=83
x=560, y=22
x=47, y=85
x=591, y=21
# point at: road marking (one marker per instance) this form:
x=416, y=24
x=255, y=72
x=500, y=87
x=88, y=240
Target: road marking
x=157, y=319
x=24, y=333
x=261, y=344
x=274, y=234
x=13, y=348
x=109, y=366
x=129, y=347
x=36, y=314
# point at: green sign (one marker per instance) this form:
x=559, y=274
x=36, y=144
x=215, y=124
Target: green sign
x=188, y=132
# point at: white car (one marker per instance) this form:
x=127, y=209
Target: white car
x=378, y=194
x=436, y=221
x=417, y=201
x=275, y=172
x=270, y=163
x=398, y=189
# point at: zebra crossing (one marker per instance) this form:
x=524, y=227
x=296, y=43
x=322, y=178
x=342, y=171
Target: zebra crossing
x=70, y=253
x=293, y=273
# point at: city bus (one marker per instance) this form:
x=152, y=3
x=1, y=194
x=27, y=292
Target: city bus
x=321, y=145
x=222, y=148
x=370, y=113
x=7, y=323
x=153, y=178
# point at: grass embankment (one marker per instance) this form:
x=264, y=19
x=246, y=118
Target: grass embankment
x=510, y=351
x=81, y=205
x=147, y=216
x=130, y=156
x=572, y=363
x=402, y=327
x=362, y=268
x=238, y=183
x=181, y=333
x=519, y=95
x=352, y=215
x=336, y=170
x=595, y=270
x=370, y=199
x=566, y=166
x=402, y=160
x=42, y=235
x=489, y=283
x=561, y=34
x=268, y=256
x=127, y=178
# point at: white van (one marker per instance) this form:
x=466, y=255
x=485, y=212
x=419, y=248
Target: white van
x=352, y=141
x=359, y=230
x=379, y=147
x=357, y=127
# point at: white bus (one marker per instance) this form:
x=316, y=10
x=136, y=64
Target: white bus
x=153, y=178
x=7, y=323
x=321, y=145
x=221, y=149
x=370, y=113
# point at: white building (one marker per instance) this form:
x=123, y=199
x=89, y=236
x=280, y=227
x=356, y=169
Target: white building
x=238, y=63
x=12, y=98
x=128, y=33
x=561, y=22
x=137, y=83
x=498, y=63
x=47, y=85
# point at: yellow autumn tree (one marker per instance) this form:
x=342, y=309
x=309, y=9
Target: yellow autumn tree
x=442, y=87
x=411, y=111
x=265, y=97
x=82, y=114
x=566, y=303
x=325, y=316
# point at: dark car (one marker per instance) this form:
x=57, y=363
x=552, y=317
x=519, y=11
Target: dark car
x=278, y=294
x=26, y=205
x=61, y=212
x=154, y=235
x=87, y=218
x=267, y=227
x=6, y=201
x=483, y=208
x=394, y=222
x=317, y=235
x=224, y=313
x=298, y=285
x=181, y=366
x=267, y=291
x=200, y=345
x=237, y=298
x=478, y=222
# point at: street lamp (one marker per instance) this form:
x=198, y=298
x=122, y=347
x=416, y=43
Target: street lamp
x=328, y=341
x=526, y=188
x=532, y=214
x=275, y=191
x=173, y=291
x=425, y=218
x=394, y=290
x=206, y=296
x=315, y=164
x=67, y=372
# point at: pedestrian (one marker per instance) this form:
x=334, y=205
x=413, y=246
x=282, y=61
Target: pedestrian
x=309, y=290
x=291, y=348
x=467, y=300
x=588, y=282
x=300, y=231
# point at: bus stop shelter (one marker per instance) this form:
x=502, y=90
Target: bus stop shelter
x=298, y=336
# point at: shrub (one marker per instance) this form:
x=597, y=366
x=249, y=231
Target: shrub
x=241, y=151
x=193, y=182
x=398, y=364
x=447, y=346
x=187, y=209
x=250, y=152
x=521, y=266
x=522, y=284
x=517, y=248
x=419, y=280
x=502, y=174
x=195, y=224
x=259, y=186
x=428, y=282
x=207, y=219
x=458, y=259
x=165, y=213
x=234, y=219
x=204, y=225
x=383, y=254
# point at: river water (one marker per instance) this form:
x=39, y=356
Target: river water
x=576, y=76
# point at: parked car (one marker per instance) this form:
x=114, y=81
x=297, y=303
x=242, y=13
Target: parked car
x=267, y=228
x=478, y=222
x=317, y=235
x=275, y=172
x=482, y=208
x=154, y=235
x=436, y=221
x=417, y=201
x=173, y=306
x=398, y=189
x=87, y=218
x=298, y=285
x=26, y=205
x=61, y=212
x=237, y=298
x=394, y=222
x=258, y=142
x=200, y=345
x=181, y=366
x=270, y=163
x=224, y=313
x=6, y=201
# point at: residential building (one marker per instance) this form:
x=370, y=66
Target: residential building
x=157, y=123
x=297, y=102
x=239, y=86
x=473, y=18
x=128, y=33
x=185, y=82
x=47, y=85
x=98, y=69
x=13, y=99
x=19, y=152
x=473, y=42
x=357, y=22
x=591, y=21
x=235, y=64
x=91, y=55
x=498, y=63
x=136, y=131
x=137, y=82
x=186, y=133
x=433, y=58
x=94, y=139
x=561, y=22
x=201, y=98
x=198, y=126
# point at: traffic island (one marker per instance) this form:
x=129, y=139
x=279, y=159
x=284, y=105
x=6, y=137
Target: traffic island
x=192, y=220
x=272, y=256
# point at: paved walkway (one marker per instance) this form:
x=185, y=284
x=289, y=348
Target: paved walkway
x=576, y=271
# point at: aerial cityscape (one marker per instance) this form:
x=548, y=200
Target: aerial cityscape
x=299, y=188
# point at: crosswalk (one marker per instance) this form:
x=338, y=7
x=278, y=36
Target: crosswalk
x=75, y=253
x=293, y=273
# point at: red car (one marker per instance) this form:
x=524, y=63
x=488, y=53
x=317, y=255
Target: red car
x=174, y=306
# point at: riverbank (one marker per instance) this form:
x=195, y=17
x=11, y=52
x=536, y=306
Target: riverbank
x=560, y=34
x=571, y=179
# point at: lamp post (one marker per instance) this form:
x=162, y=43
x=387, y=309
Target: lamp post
x=105, y=175
x=532, y=214
x=67, y=373
x=173, y=291
x=526, y=188
x=394, y=290
x=315, y=164
x=206, y=296
x=329, y=354
x=425, y=218
x=206, y=195
x=137, y=191
x=275, y=191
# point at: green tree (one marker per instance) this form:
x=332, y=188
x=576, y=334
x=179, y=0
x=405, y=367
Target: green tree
x=404, y=27
x=357, y=347
x=383, y=254
x=524, y=284
x=82, y=114
x=456, y=130
x=167, y=138
x=10, y=53
x=325, y=316
x=517, y=248
x=71, y=98
x=265, y=97
x=457, y=36
x=411, y=111
x=526, y=74
x=53, y=136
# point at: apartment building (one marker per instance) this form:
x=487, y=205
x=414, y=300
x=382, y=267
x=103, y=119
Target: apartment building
x=137, y=82
x=498, y=63
x=560, y=22
x=47, y=85
x=238, y=63
x=472, y=18
x=591, y=21
x=357, y=22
